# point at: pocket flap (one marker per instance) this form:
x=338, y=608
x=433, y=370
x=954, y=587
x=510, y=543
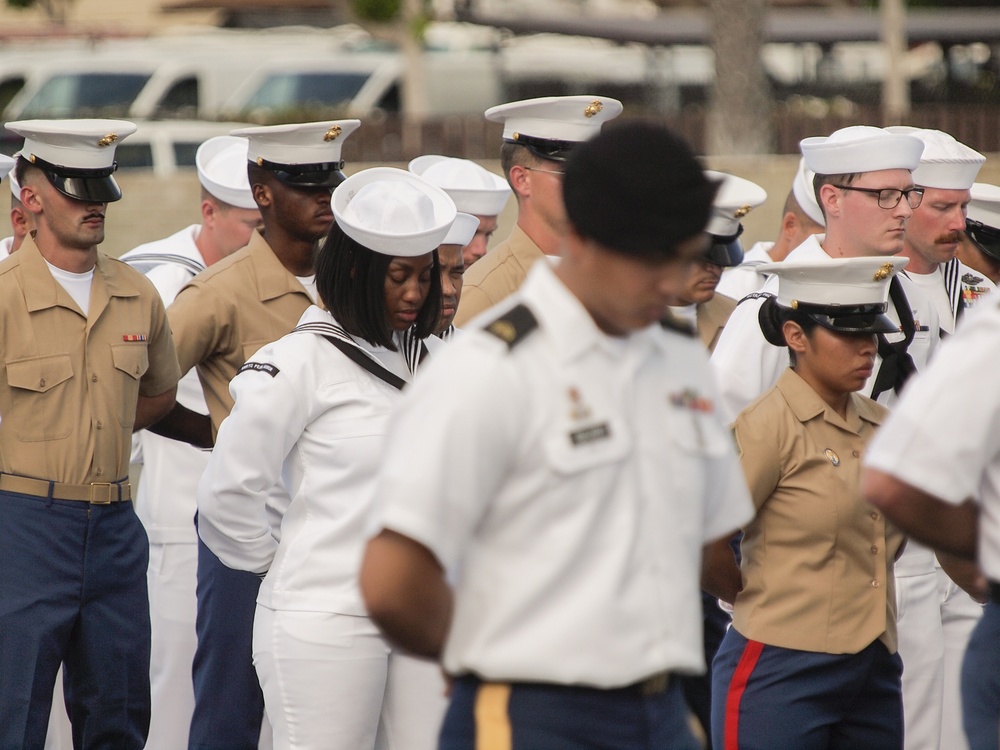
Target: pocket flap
x=39, y=374
x=132, y=359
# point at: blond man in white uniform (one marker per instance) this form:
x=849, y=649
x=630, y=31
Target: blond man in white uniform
x=166, y=496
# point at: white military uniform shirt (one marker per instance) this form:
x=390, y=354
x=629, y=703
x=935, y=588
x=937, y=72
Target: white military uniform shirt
x=952, y=286
x=310, y=418
x=746, y=365
x=573, y=523
x=940, y=442
x=739, y=281
x=166, y=496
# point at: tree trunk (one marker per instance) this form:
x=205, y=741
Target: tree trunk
x=740, y=109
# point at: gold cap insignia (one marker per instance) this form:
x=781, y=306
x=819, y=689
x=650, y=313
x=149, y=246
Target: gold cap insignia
x=516, y=136
x=884, y=272
x=31, y=158
x=742, y=211
x=108, y=139
x=260, y=161
x=503, y=330
x=593, y=108
x=832, y=456
x=333, y=133
x=795, y=304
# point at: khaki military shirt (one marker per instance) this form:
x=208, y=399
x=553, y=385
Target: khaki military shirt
x=228, y=312
x=496, y=275
x=711, y=318
x=71, y=381
x=817, y=559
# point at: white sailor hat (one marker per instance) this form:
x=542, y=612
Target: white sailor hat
x=805, y=193
x=302, y=154
x=474, y=189
x=982, y=225
x=393, y=212
x=222, y=170
x=735, y=198
x=77, y=156
x=861, y=148
x=945, y=163
x=463, y=230
x=6, y=165
x=550, y=126
x=15, y=186
x=849, y=295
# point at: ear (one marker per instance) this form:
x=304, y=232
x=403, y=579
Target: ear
x=829, y=200
x=520, y=180
x=31, y=199
x=208, y=211
x=262, y=195
x=795, y=337
x=19, y=221
x=790, y=224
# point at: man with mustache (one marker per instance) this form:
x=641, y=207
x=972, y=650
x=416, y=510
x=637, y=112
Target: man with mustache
x=87, y=358
x=946, y=173
x=220, y=318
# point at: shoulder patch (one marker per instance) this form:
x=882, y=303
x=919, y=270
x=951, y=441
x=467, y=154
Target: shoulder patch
x=259, y=367
x=671, y=322
x=513, y=325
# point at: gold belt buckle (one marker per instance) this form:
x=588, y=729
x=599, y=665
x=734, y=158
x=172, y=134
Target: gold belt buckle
x=655, y=685
x=100, y=493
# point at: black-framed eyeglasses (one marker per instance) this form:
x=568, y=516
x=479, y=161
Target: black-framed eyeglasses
x=546, y=171
x=987, y=238
x=889, y=198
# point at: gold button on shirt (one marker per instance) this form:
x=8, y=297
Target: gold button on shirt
x=816, y=560
x=496, y=275
x=67, y=375
x=228, y=312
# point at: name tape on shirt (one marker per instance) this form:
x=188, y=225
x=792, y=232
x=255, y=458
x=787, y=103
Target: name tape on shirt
x=590, y=434
x=259, y=367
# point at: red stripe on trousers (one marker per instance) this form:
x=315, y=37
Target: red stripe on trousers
x=738, y=684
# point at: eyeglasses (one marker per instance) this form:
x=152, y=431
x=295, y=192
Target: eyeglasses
x=546, y=171
x=890, y=197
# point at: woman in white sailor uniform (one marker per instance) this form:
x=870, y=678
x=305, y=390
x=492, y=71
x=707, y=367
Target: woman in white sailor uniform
x=310, y=412
x=810, y=661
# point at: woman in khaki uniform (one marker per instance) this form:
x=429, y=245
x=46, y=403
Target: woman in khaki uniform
x=810, y=661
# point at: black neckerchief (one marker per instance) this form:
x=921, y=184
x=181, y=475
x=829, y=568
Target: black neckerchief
x=897, y=364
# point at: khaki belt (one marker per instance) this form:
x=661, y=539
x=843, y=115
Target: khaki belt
x=653, y=685
x=98, y=493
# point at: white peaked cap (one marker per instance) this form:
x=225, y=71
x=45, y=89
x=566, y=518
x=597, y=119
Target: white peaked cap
x=945, y=163
x=474, y=189
x=985, y=204
x=393, y=212
x=834, y=282
x=6, y=165
x=555, y=118
x=805, y=193
x=735, y=198
x=222, y=170
x=463, y=230
x=861, y=148
x=74, y=144
x=299, y=143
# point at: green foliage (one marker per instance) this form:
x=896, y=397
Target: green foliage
x=379, y=11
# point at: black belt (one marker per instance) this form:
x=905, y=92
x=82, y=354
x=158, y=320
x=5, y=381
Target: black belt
x=652, y=685
x=994, y=588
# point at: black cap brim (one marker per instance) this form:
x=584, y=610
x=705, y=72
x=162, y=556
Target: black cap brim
x=983, y=236
x=859, y=323
x=724, y=253
x=89, y=189
x=545, y=148
x=324, y=175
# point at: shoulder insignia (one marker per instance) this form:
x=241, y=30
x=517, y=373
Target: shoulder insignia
x=671, y=322
x=513, y=325
x=971, y=279
x=259, y=367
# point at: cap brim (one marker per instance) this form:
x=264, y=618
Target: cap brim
x=860, y=323
x=725, y=254
x=89, y=189
x=328, y=178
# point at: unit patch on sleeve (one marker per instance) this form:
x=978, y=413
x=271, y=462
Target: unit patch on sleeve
x=259, y=367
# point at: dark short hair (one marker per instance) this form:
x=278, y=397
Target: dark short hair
x=350, y=279
x=637, y=188
x=819, y=180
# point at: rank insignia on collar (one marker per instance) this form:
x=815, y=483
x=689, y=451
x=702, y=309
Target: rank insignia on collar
x=689, y=399
x=832, y=456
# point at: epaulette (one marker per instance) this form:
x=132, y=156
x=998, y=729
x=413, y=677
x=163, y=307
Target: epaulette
x=513, y=325
x=671, y=322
